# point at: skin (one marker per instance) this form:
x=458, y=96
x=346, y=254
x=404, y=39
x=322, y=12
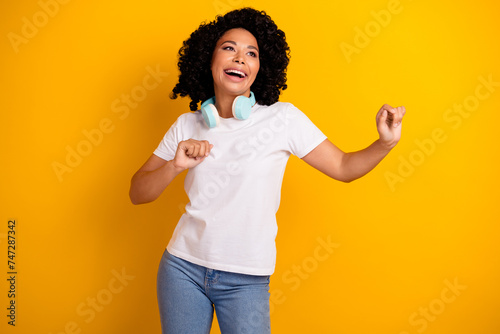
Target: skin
x=238, y=49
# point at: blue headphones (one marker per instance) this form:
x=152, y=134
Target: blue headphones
x=242, y=106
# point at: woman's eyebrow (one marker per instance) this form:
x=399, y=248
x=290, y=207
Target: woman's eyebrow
x=234, y=43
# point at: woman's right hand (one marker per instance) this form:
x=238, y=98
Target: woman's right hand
x=156, y=174
x=191, y=153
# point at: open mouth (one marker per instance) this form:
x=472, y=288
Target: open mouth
x=235, y=73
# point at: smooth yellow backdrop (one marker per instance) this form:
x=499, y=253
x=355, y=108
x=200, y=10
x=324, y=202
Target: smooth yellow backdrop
x=413, y=247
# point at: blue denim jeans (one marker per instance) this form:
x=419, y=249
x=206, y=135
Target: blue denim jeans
x=189, y=293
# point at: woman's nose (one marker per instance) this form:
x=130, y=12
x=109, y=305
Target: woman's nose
x=238, y=59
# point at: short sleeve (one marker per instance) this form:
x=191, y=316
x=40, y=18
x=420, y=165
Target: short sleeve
x=168, y=146
x=302, y=135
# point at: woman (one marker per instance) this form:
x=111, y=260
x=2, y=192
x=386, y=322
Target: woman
x=222, y=252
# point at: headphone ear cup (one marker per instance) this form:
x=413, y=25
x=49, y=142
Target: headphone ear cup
x=210, y=115
x=242, y=107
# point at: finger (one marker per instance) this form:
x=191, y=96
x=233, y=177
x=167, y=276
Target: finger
x=403, y=109
x=390, y=117
x=196, y=150
x=205, y=148
x=385, y=107
x=199, y=149
x=382, y=117
x=189, y=149
x=398, y=115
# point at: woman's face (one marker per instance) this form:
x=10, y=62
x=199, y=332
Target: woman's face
x=235, y=62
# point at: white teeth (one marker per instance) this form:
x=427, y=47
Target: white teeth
x=241, y=74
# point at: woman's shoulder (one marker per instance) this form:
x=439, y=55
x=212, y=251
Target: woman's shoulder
x=186, y=122
x=189, y=117
x=286, y=108
x=277, y=106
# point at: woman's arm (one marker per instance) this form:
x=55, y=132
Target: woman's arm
x=347, y=167
x=156, y=174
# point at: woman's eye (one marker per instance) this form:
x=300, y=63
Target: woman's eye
x=229, y=48
x=252, y=54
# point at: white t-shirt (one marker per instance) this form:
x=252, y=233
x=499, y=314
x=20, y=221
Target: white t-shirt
x=230, y=221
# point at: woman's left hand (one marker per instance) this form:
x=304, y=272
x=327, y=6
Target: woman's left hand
x=389, y=124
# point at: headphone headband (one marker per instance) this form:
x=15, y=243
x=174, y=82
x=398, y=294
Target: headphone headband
x=241, y=108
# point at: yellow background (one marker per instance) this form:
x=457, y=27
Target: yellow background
x=400, y=242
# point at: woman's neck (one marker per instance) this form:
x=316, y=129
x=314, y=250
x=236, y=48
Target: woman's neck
x=224, y=105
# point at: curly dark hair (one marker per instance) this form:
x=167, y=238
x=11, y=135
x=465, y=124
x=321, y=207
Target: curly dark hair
x=195, y=57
